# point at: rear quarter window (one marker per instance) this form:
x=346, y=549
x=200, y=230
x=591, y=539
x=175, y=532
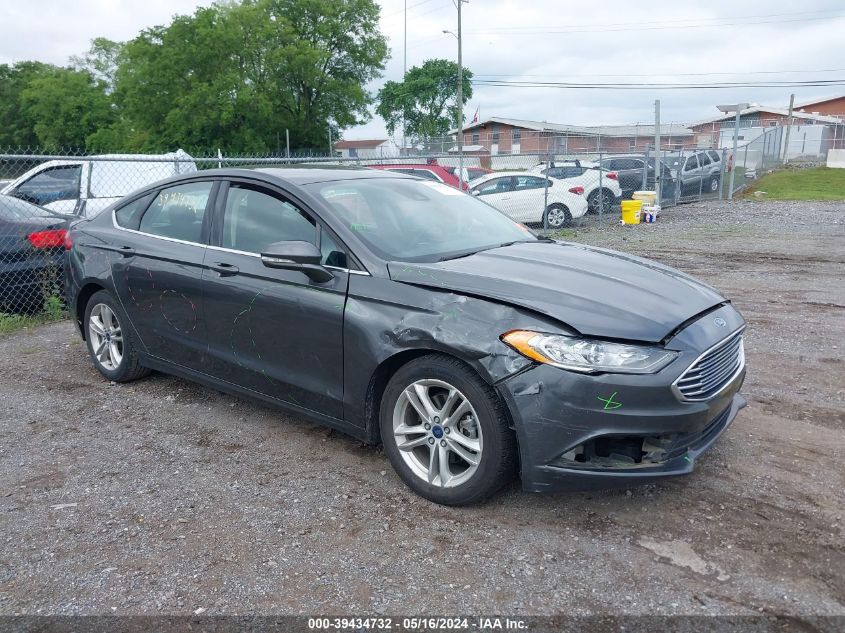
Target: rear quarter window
x=129, y=215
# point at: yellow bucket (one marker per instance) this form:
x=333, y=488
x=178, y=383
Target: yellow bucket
x=631, y=211
x=648, y=197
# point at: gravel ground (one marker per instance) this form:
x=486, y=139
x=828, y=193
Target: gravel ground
x=165, y=497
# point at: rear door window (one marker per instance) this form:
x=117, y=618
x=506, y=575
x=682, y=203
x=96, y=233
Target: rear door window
x=703, y=159
x=530, y=182
x=692, y=163
x=178, y=212
x=495, y=185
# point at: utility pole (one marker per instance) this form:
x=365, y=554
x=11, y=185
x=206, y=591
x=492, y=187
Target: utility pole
x=460, y=102
x=788, y=129
x=658, y=172
x=404, y=74
x=331, y=146
x=287, y=143
x=727, y=109
x=736, y=143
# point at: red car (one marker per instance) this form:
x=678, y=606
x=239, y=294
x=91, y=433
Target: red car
x=471, y=172
x=437, y=173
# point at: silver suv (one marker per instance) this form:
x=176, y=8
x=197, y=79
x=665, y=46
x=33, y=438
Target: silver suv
x=697, y=172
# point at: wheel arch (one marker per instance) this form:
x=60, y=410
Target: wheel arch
x=82, y=297
x=386, y=370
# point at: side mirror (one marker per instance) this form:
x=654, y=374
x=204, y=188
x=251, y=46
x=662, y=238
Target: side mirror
x=297, y=255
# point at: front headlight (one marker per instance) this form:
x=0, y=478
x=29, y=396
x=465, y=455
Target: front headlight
x=588, y=355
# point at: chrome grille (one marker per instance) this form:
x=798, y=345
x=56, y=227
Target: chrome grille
x=713, y=370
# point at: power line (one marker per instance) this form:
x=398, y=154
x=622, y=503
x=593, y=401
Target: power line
x=645, y=28
x=668, y=73
x=666, y=23
x=400, y=11
x=658, y=86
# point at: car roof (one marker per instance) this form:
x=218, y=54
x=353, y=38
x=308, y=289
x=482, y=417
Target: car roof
x=497, y=174
x=405, y=166
x=295, y=174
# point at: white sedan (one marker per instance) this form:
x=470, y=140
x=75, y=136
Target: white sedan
x=531, y=198
x=601, y=187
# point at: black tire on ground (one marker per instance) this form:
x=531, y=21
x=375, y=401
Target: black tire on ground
x=714, y=184
x=497, y=464
x=130, y=367
x=596, y=196
x=557, y=216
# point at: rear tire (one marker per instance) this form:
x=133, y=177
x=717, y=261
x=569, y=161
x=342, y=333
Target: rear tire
x=605, y=196
x=557, y=216
x=468, y=431
x=110, y=342
x=714, y=185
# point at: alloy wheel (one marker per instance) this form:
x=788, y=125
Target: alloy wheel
x=106, y=336
x=556, y=217
x=603, y=202
x=437, y=433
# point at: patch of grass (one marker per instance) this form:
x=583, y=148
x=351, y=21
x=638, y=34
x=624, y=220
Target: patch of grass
x=565, y=234
x=817, y=183
x=54, y=310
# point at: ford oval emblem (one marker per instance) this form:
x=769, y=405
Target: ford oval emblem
x=720, y=322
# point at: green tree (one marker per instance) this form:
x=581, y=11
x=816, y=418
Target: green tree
x=16, y=130
x=101, y=60
x=65, y=106
x=426, y=100
x=236, y=75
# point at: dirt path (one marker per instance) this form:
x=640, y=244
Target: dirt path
x=165, y=497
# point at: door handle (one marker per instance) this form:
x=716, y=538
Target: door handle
x=223, y=269
x=126, y=251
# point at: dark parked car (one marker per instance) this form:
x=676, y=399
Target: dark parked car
x=629, y=170
x=401, y=311
x=32, y=251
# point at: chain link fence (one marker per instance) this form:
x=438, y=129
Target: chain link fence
x=551, y=183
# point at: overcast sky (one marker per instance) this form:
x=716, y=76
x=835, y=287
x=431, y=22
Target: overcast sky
x=536, y=40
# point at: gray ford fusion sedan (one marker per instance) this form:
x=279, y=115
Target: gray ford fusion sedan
x=406, y=313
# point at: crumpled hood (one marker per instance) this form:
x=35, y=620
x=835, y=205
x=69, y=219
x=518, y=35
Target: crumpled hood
x=598, y=292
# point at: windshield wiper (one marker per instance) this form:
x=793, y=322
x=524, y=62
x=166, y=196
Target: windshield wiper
x=479, y=250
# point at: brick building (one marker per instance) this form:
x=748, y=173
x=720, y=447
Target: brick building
x=832, y=106
x=517, y=136
x=825, y=112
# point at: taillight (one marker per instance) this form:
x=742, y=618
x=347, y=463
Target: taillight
x=612, y=175
x=68, y=241
x=53, y=238
x=577, y=190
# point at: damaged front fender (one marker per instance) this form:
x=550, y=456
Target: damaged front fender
x=383, y=319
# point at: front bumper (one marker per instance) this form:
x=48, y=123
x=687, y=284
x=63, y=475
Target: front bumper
x=579, y=431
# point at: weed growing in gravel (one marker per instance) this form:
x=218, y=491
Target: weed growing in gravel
x=54, y=310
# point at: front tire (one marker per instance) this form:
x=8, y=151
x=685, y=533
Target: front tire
x=445, y=431
x=110, y=343
x=557, y=216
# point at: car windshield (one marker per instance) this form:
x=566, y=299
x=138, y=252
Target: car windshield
x=418, y=221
